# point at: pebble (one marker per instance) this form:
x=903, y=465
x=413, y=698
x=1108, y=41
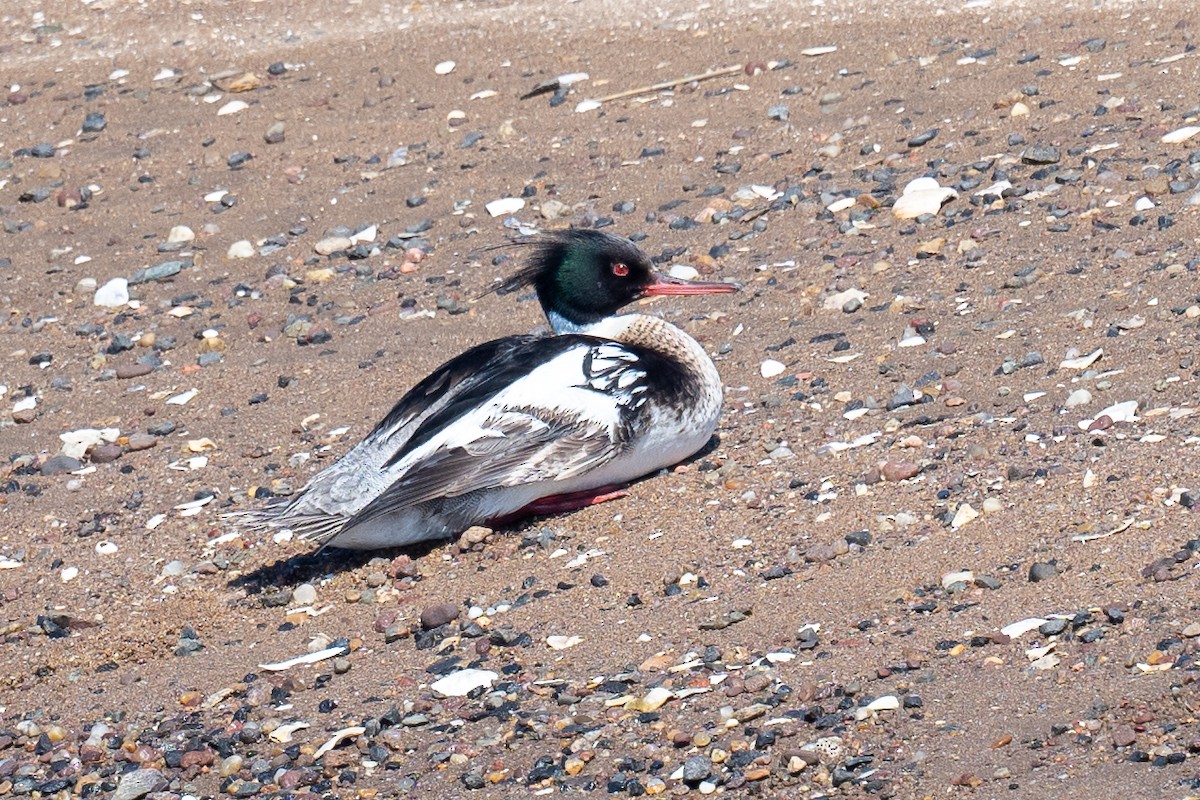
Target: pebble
x=180, y=234
x=304, y=595
x=437, y=615
x=898, y=470
x=238, y=159
x=696, y=769
x=1041, y=571
x=240, y=249
x=94, y=122
x=771, y=368
x=1041, y=154
x=332, y=244
x=553, y=209
x=60, y=464
x=141, y=441
x=139, y=783
x=923, y=138
x=1123, y=736
x=105, y=453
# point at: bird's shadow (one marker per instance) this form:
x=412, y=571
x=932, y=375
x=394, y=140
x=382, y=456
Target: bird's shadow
x=307, y=567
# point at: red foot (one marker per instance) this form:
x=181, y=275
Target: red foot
x=561, y=503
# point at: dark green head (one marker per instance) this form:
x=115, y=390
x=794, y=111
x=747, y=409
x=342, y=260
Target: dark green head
x=582, y=276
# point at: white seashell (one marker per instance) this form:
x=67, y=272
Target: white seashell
x=963, y=516
x=463, y=682
x=1015, y=630
x=770, y=368
x=562, y=642
x=232, y=107
x=1181, y=134
x=505, y=205
x=113, y=294
x=922, y=196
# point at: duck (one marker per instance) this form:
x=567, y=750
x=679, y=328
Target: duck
x=527, y=425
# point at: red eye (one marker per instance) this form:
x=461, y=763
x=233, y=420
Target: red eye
x=620, y=270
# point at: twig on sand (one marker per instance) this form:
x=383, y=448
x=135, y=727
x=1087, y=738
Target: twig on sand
x=658, y=87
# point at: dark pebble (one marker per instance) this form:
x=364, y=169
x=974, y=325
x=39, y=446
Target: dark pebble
x=238, y=159
x=94, y=122
x=696, y=769
x=57, y=465
x=1041, y=154
x=924, y=137
x=1042, y=571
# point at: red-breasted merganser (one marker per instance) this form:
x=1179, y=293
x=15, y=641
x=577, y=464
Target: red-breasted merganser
x=530, y=424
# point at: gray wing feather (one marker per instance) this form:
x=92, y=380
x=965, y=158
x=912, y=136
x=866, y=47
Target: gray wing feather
x=527, y=450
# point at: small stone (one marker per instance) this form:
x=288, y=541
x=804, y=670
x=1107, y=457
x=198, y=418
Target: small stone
x=1123, y=736
x=1042, y=571
x=1041, y=154
x=230, y=765
x=553, y=209
x=696, y=769
x=438, y=615
x=180, y=234
x=923, y=138
x=240, y=249
x=139, y=783
x=94, y=122
x=1079, y=397
x=895, y=470
x=1190, y=632
x=105, y=453
x=57, y=465
x=332, y=244
x=304, y=595
x=238, y=159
